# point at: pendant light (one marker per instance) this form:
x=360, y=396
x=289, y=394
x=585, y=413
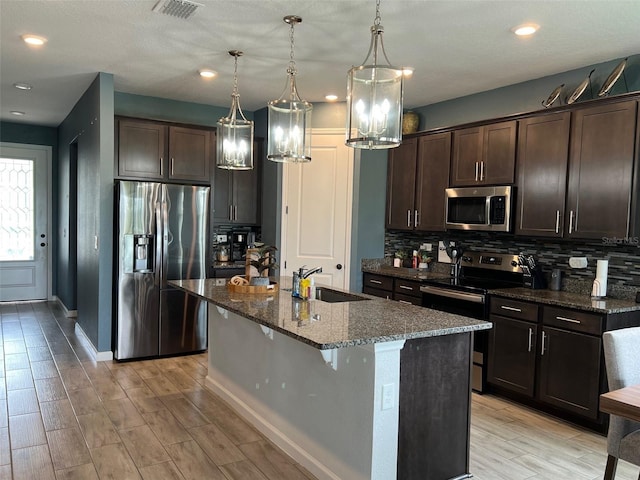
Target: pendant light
x=290, y=117
x=374, y=98
x=235, y=132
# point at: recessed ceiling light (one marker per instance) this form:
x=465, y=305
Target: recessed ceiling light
x=206, y=73
x=525, y=29
x=34, y=40
x=17, y=113
x=331, y=97
x=22, y=86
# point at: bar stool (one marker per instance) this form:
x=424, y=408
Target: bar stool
x=622, y=358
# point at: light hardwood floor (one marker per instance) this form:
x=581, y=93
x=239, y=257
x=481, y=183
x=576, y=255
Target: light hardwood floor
x=64, y=416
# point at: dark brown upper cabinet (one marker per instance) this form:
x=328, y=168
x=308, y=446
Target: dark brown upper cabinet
x=484, y=155
x=401, y=181
x=543, y=155
x=601, y=179
x=434, y=158
x=418, y=174
x=156, y=151
x=236, y=193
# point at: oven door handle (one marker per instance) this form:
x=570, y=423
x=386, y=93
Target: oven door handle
x=443, y=292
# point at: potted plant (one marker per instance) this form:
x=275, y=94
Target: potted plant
x=263, y=260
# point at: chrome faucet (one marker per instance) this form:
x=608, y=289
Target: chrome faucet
x=310, y=272
x=300, y=275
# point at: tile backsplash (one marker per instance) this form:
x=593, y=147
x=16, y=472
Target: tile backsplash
x=623, y=253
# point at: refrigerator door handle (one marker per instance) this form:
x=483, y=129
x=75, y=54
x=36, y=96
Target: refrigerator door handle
x=159, y=253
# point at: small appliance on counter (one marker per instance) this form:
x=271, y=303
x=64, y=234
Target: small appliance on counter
x=240, y=241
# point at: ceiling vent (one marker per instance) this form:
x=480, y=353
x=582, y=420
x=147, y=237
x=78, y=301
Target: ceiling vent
x=176, y=8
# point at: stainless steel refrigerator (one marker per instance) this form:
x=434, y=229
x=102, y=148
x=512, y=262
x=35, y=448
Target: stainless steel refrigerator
x=161, y=235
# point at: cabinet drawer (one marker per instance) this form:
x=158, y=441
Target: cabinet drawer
x=407, y=299
x=407, y=287
x=571, y=320
x=378, y=281
x=514, y=309
x=376, y=292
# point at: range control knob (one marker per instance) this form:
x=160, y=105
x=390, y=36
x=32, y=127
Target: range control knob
x=466, y=258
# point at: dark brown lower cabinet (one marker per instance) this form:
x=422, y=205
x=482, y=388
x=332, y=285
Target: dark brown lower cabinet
x=570, y=371
x=512, y=347
x=551, y=357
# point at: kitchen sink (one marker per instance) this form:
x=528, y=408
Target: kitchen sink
x=330, y=295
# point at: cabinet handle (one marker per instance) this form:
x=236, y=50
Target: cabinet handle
x=235, y=212
x=230, y=212
x=512, y=309
x=570, y=222
x=171, y=168
x=482, y=170
x=404, y=301
x=404, y=287
x=565, y=319
x=530, y=339
x=544, y=337
x=408, y=218
x=161, y=167
x=476, y=171
x=415, y=217
x=557, y=221
x=377, y=282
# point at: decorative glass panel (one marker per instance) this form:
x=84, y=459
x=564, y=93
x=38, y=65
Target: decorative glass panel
x=16, y=209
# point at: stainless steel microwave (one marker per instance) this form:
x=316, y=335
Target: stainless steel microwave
x=479, y=208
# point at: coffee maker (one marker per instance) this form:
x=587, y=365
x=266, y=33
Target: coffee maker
x=240, y=241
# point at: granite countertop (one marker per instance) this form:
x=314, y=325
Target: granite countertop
x=236, y=264
x=406, y=273
x=579, y=301
x=333, y=325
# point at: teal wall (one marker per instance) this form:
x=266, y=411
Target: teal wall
x=526, y=96
x=90, y=125
x=162, y=109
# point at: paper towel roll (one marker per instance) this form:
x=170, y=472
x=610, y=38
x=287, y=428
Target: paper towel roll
x=600, y=284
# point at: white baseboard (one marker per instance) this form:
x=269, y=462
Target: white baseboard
x=97, y=356
x=303, y=457
x=67, y=313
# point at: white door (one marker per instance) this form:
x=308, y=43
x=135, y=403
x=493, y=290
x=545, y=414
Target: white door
x=24, y=242
x=316, y=217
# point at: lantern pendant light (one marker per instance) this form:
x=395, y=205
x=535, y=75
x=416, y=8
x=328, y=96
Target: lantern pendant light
x=235, y=132
x=290, y=117
x=374, y=98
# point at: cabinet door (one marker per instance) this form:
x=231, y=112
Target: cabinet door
x=141, y=149
x=512, y=354
x=401, y=184
x=570, y=371
x=466, y=157
x=543, y=149
x=245, y=196
x=222, y=208
x=432, y=178
x=499, y=153
x=600, y=171
x=189, y=154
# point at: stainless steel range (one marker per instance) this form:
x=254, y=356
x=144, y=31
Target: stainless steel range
x=467, y=294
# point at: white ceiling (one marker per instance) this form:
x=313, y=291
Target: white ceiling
x=457, y=47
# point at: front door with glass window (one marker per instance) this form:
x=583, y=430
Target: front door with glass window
x=24, y=246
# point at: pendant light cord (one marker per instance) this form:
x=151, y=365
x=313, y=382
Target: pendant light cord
x=235, y=77
x=378, y=19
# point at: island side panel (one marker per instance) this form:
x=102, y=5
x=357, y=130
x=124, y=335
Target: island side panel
x=435, y=403
x=331, y=421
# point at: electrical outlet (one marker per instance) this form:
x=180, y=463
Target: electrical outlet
x=221, y=238
x=388, y=396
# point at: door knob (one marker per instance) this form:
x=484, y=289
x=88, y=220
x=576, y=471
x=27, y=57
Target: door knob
x=42, y=235
x=339, y=266
x=43, y=244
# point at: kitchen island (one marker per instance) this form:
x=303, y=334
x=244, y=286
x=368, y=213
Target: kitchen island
x=360, y=389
